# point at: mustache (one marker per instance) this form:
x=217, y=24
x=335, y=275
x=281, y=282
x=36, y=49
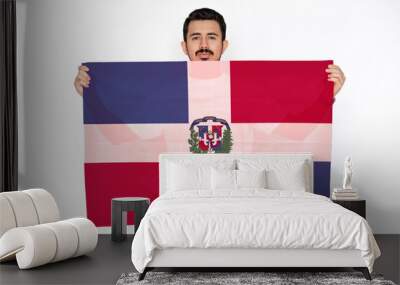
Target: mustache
x=203, y=50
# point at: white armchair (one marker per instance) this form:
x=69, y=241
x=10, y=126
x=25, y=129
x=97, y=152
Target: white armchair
x=31, y=230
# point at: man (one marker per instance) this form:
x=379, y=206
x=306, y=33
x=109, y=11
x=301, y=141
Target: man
x=204, y=32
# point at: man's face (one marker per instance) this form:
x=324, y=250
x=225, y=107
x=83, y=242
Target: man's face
x=204, y=41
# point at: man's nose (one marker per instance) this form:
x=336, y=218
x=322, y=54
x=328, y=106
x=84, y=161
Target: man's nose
x=204, y=43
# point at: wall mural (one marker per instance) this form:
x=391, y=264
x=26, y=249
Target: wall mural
x=133, y=111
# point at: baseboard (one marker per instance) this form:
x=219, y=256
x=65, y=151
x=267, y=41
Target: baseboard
x=107, y=230
x=131, y=229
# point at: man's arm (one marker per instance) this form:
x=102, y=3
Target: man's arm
x=82, y=79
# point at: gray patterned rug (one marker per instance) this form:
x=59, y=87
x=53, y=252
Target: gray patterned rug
x=269, y=278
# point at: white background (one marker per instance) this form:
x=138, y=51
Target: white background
x=363, y=37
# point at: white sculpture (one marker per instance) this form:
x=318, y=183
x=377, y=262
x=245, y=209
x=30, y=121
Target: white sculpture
x=348, y=173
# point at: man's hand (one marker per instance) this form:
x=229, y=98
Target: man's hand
x=82, y=79
x=336, y=75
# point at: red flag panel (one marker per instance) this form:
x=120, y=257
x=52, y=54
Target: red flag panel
x=280, y=92
x=105, y=181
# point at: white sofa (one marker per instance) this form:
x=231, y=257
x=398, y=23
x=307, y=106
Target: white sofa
x=32, y=233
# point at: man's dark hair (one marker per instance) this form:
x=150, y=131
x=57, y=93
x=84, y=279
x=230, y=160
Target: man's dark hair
x=204, y=14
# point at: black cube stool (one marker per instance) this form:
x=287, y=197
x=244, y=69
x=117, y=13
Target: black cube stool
x=119, y=207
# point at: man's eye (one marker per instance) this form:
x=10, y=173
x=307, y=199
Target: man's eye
x=195, y=38
x=212, y=38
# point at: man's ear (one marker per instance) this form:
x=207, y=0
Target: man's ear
x=184, y=48
x=225, y=45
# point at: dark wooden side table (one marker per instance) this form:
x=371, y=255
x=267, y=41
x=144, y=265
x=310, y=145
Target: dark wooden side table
x=357, y=206
x=119, y=207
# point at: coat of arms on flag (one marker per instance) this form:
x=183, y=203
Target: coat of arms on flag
x=133, y=111
x=210, y=135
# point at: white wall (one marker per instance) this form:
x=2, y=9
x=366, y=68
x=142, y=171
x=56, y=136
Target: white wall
x=363, y=37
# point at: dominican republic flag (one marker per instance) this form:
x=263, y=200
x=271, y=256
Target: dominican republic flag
x=133, y=111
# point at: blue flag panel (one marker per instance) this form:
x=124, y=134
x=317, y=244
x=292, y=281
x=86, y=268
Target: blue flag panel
x=159, y=89
x=322, y=178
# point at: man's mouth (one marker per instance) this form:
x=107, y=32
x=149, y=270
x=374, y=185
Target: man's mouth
x=204, y=55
